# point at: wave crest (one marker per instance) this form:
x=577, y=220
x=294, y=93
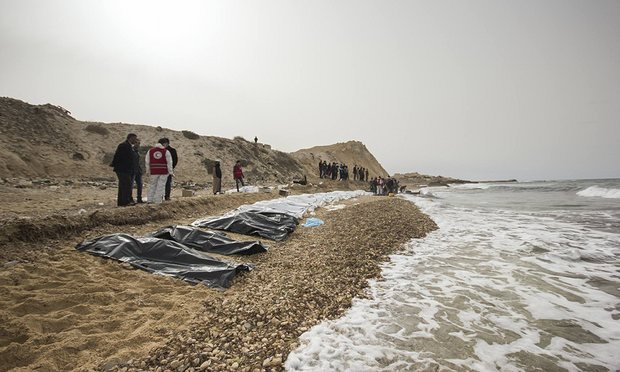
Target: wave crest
x=471, y=186
x=597, y=191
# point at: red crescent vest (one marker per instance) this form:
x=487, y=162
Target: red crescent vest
x=157, y=160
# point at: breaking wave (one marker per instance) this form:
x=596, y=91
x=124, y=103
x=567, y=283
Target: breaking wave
x=471, y=186
x=597, y=191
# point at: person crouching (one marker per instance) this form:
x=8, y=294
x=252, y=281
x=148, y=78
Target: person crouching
x=158, y=163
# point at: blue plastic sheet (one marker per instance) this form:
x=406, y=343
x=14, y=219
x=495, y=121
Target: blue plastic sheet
x=313, y=222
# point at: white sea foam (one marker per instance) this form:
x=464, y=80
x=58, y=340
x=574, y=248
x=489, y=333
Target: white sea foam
x=490, y=290
x=471, y=186
x=427, y=193
x=602, y=192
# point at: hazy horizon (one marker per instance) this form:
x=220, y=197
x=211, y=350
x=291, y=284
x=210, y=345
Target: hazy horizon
x=477, y=90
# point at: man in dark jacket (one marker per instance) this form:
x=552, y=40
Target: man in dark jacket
x=123, y=163
x=137, y=172
x=217, y=178
x=175, y=160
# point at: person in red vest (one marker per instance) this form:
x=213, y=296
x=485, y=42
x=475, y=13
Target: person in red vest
x=238, y=174
x=158, y=164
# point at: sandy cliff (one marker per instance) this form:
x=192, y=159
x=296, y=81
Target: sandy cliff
x=351, y=153
x=45, y=141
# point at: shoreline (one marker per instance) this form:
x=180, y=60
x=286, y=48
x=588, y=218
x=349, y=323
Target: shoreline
x=156, y=323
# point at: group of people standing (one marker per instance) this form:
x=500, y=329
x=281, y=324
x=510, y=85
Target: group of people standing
x=378, y=185
x=384, y=186
x=341, y=171
x=160, y=161
x=360, y=173
x=217, y=176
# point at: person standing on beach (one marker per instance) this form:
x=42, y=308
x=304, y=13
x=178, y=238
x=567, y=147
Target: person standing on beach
x=137, y=172
x=175, y=160
x=158, y=163
x=217, y=178
x=380, y=184
x=123, y=167
x=238, y=174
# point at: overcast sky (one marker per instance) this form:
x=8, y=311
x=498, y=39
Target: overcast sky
x=526, y=89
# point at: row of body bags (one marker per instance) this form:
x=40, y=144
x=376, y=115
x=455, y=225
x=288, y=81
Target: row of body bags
x=183, y=251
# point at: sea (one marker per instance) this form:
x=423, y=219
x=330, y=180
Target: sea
x=521, y=276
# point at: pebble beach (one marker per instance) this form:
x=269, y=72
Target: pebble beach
x=73, y=311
